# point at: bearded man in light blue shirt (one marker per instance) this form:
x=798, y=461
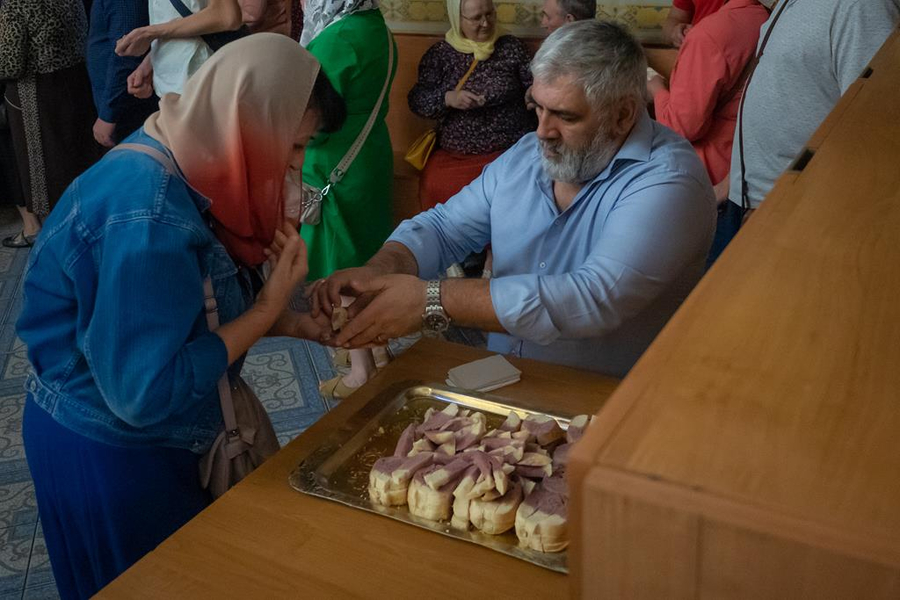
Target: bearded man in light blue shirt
x=599, y=222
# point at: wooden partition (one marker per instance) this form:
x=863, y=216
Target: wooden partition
x=753, y=450
x=405, y=127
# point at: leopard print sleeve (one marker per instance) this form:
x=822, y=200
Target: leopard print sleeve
x=13, y=42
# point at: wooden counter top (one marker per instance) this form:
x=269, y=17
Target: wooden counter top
x=265, y=540
x=762, y=427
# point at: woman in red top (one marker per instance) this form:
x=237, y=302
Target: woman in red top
x=684, y=14
x=701, y=99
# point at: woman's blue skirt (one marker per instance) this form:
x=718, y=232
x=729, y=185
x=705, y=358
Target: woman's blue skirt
x=103, y=507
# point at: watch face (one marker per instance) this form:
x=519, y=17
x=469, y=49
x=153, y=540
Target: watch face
x=436, y=322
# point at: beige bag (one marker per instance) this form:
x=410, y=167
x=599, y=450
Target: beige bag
x=247, y=438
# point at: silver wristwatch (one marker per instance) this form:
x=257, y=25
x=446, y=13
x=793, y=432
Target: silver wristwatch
x=434, y=320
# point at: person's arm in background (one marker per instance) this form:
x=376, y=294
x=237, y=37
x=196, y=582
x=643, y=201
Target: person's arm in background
x=426, y=98
x=700, y=78
x=111, y=95
x=859, y=31
x=678, y=21
x=218, y=15
x=253, y=11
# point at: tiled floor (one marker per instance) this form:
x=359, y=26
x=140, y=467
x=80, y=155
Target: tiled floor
x=285, y=373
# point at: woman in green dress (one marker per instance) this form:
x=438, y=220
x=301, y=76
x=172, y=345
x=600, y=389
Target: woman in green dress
x=350, y=40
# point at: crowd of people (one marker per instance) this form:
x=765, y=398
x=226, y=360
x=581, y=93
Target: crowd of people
x=160, y=147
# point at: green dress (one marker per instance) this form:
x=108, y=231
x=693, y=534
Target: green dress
x=356, y=214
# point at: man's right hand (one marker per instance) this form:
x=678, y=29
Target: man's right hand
x=140, y=82
x=325, y=294
x=463, y=100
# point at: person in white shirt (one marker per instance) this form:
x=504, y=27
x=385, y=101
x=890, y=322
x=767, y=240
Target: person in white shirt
x=176, y=48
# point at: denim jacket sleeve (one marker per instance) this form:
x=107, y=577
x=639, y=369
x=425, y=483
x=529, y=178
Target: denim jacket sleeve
x=147, y=343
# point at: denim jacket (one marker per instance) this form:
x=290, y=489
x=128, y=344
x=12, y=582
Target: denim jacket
x=113, y=314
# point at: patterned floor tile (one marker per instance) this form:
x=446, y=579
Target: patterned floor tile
x=7, y=289
x=14, y=471
x=12, y=403
x=15, y=364
x=12, y=263
x=9, y=342
x=15, y=549
x=18, y=505
x=281, y=374
x=14, y=308
x=39, y=582
x=272, y=376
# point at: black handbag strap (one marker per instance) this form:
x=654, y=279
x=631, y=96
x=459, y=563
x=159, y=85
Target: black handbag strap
x=214, y=40
x=745, y=187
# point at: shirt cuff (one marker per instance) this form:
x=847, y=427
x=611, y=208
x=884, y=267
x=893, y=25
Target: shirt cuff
x=413, y=235
x=107, y=114
x=209, y=359
x=519, y=308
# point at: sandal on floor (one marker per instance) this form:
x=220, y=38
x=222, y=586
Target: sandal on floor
x=335, y=388
x=20, y=240
x=341, y=358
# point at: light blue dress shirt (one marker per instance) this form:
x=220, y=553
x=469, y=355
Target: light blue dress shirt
x=590, y=286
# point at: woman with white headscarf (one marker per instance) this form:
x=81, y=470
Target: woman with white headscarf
x=122, y=400
x=352, y=42
x=487, y=115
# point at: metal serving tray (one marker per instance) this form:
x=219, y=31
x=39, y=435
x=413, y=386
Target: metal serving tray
x=338, y=470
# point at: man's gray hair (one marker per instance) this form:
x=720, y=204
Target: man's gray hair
x=580, y=9
x=601, y=55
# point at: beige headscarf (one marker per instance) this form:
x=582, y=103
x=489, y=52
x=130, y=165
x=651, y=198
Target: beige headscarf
x=460, y=43
x=232, y=133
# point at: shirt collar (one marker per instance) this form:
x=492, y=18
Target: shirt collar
x=639, y=142
x=637, y=147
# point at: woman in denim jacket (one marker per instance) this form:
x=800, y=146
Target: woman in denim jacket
x=122, y=398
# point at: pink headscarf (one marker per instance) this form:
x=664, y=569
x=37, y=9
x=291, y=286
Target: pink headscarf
x=232, y=133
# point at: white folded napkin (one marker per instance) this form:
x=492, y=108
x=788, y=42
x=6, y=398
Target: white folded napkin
x=484, y=375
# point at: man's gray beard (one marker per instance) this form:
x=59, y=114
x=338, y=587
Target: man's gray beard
x=580, y=165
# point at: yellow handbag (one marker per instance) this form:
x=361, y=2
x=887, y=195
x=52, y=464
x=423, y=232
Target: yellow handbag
x=419, y=151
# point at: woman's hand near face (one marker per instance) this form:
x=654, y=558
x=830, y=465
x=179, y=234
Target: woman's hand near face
x=287, y=256
x=463, y=100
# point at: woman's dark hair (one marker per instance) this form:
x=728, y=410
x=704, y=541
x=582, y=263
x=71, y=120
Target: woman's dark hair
x=329, y=103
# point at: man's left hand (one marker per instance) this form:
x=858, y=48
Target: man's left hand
x=103, y=133
x=395, y=311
